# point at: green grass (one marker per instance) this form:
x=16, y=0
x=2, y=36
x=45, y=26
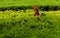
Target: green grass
x=7, y=3
x=18, y=24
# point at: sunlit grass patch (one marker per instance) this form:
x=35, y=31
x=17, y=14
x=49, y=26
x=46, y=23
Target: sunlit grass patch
x=19, y=24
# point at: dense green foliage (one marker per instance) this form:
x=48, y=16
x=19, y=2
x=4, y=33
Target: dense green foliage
x=17, y=24
x=7, y=3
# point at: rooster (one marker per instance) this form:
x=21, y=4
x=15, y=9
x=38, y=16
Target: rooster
x=36, y=11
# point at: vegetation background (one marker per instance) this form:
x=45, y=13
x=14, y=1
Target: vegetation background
x=20, y=24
